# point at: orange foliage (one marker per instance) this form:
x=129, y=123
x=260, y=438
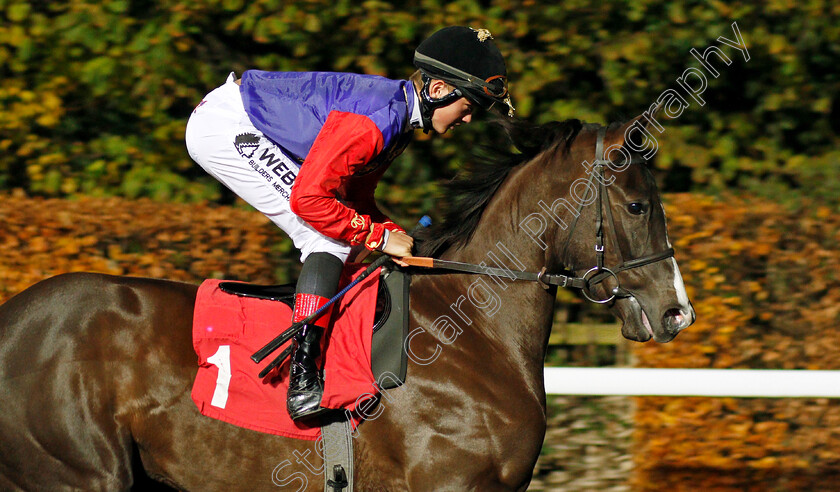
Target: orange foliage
x=765, y=282
x=42, y=238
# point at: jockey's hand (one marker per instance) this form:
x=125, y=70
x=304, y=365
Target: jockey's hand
x=399, y=245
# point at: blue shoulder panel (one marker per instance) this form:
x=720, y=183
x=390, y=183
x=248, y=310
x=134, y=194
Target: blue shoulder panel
x=291, y=107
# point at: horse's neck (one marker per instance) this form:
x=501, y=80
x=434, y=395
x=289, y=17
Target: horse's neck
x=515, y=315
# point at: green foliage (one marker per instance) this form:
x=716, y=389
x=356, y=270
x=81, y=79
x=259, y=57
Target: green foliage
x=96, y=94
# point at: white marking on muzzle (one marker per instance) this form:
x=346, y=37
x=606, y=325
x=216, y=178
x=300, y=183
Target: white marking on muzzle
x=679, y=287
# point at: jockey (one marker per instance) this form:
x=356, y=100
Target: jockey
x=308, y=149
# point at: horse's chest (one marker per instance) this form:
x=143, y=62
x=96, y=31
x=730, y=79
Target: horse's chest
x=446, y=438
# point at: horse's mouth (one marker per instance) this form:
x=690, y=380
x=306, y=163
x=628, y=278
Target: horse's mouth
x=637, y=325
x=646, y=323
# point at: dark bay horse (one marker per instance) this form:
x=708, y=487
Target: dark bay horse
x=96, y=370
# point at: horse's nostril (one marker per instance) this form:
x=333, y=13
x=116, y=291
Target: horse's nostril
x=674, y=318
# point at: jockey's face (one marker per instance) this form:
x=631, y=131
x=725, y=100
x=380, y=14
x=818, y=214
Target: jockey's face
x=451, y=115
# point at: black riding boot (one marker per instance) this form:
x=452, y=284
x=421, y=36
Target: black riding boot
x=305, y=385
x=317, y=283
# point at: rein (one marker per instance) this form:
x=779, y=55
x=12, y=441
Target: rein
x=594, y=275
x=545, y=279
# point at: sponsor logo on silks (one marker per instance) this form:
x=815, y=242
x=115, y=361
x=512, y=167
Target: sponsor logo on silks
x=277, y=166
x=246, y=144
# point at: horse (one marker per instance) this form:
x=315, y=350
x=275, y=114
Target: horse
x=96, y=370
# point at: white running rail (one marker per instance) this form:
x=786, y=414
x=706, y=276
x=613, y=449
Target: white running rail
x=739, y=383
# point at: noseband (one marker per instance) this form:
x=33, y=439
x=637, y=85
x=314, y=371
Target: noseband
x=599, y=272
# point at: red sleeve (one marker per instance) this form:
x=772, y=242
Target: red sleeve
x=360, y=195
x=346, y=142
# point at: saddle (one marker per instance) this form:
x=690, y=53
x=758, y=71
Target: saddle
x=363, y=352
x=390, y=320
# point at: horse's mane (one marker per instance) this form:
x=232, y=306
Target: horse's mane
x=470, y=192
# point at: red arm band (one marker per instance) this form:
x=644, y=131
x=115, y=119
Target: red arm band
x=346, y=142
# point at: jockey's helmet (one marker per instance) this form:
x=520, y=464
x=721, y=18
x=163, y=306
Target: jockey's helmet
x=468, y=59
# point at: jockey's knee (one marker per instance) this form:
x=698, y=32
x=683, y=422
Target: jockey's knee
x=320, y=274
x=310, y=244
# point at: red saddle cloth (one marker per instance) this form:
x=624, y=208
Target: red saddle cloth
x=227, y=329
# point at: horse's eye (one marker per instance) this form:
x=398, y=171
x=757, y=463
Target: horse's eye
x=637, y=208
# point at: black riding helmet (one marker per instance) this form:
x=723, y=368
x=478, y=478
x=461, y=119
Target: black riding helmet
x=468, y=59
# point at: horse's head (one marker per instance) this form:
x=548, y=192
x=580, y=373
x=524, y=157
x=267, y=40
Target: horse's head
x=561, y=195
x=616, y=236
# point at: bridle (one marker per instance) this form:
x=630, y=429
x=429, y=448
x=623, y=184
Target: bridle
x=599, y=272
x=594, y=275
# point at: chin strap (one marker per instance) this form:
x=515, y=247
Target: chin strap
x=428, y=104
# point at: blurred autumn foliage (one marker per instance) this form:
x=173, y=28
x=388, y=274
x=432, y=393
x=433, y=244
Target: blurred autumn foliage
x=45, y=237
x=765, y=282
x=95, y=94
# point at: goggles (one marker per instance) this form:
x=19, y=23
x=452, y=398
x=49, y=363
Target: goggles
x=495, y=86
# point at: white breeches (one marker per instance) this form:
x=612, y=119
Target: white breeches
x=222, y=140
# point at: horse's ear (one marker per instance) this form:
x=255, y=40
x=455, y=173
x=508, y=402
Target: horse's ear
x=637, y=134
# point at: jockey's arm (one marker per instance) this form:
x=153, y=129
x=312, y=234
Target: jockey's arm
x=361, y=197
x=346, y=142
